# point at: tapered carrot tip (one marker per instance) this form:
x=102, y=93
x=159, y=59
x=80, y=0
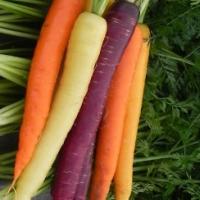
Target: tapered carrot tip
x=100, y=186
x=123, y=193
x=12, y=186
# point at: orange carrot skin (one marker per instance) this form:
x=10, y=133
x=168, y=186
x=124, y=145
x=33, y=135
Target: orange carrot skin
x=43, y=75
x=109, y=139
x=123, y=176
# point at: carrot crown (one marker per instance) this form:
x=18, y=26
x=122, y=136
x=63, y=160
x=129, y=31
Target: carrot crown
x=143, y=5
x=98, y=6
x=143, y=9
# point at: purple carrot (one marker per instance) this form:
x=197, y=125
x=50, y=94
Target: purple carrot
x=84, y=180
x=121, y=20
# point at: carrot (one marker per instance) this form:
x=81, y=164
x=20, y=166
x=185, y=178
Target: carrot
x=82, y=53
x=44, y=71
x=123, y=175
x=109, y=138
x=84, y=180
x=121, y=20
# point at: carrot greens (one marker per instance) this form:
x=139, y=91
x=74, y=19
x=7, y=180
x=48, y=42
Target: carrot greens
x=21, y=9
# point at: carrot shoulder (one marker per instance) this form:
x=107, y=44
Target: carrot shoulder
x=123, y=175
x=109, y=138
x=45, y=67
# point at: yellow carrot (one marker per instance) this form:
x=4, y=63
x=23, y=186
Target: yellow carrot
x=123, y=175
x=83, y=51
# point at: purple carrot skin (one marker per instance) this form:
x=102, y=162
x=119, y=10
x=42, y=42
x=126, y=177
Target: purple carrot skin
x=121, y=20
x=86, y=172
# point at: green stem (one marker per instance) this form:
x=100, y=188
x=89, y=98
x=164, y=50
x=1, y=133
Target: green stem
x=14, y=59
x=171, y=55
x=3, y=12
x=9, y=18
x=20, y=9
x=175, y=149
x=12, y=108
x=44, y=187
x=15, y=75
x=8, y=162
x=20, y=20
x=6, y=170
x=36, y=2
x=18, y=72
x=144, y=168
x=99, y=6
x=12, y=112
x=14, y=119
x=143, y=10
x=150, y=179
x=11, y=128
x=15, y=51
x=139, y=160
x=18, y=34
x=133, y=1
x=13, y=27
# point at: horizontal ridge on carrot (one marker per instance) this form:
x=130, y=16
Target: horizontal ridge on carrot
x=43, y=75
x=111, y=129
x=121, y=19
x=83, y=50
x=123, y=175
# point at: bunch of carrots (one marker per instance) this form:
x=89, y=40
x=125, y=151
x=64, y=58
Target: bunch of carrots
x=83, y=100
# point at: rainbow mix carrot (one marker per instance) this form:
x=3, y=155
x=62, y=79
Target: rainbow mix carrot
x=82, y=53
x=123, y=175
x=121, y=21
x=45, y=67
x=110, y=134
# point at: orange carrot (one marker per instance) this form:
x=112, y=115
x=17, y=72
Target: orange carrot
x=123, y=175
x=44, y=71
x=109, y=139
